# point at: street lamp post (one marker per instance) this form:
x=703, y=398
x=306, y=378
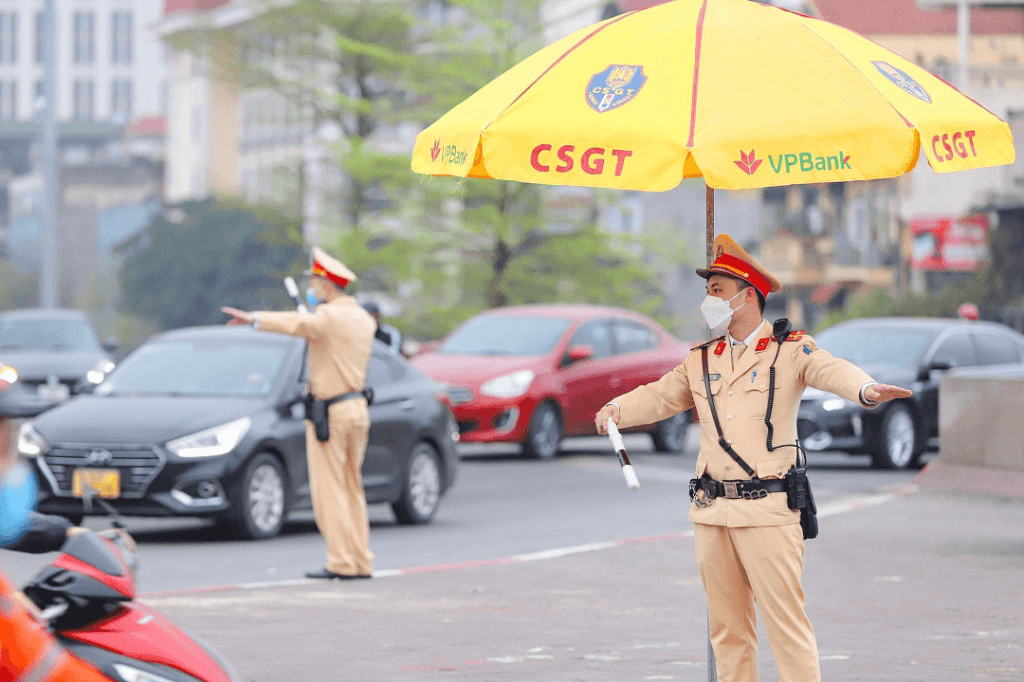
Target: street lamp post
x=48, y=156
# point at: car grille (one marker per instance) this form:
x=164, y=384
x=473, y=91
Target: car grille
x=459, y=395
x=138, y=464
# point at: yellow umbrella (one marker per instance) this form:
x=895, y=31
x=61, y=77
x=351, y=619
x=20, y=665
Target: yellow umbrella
x=745, y=95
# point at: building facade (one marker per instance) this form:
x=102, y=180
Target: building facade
x=111, y=67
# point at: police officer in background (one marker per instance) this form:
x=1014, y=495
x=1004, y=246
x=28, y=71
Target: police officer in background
x=385, y=333
x=340, y=336
x=748, y=540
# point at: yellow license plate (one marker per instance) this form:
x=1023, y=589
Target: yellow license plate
x=105, y=483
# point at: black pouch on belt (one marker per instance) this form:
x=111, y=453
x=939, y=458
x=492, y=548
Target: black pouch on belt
x=321, y=424
x=799, y=496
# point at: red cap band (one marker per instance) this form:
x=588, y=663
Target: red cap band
x=319, y=270
x=734, y=267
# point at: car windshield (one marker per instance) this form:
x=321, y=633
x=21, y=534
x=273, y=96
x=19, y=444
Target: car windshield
x=198, y=368
x=47, y=335
x=869, y=345
x=506, y=335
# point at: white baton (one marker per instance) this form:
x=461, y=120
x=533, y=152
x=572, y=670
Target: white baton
x=627, y=469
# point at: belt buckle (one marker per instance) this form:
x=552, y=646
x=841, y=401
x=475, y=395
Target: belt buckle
x=731, y=493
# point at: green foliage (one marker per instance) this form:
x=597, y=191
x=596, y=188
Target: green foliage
x=17, y=289
x=218, y=255
x=880, y=303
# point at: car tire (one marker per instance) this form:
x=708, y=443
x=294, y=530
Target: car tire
x=544, y=436
x=670, y=434
x=421, y=490
x=259, y=504
x=897, y=443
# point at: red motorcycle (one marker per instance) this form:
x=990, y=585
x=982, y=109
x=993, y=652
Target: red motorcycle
x=87, y=596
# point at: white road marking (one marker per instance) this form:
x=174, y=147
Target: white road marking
x=831, y=509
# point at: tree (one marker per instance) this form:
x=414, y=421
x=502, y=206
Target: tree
x=218, y=254
x=343, y=63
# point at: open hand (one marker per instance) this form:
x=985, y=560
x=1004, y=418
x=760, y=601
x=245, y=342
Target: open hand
x=883, y=393
x=237, y=316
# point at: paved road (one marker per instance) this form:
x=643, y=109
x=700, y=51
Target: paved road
x=502, y=505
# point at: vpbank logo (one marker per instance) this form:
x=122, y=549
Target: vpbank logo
x=435, y=151
x=749, y=163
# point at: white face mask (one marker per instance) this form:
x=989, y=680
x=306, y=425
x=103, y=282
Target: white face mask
x=717, y=312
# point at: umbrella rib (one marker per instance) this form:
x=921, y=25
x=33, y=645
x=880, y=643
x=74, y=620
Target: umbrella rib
x=696, y=70
x=559, y=60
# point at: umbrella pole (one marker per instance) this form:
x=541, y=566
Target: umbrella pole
x=709, y=198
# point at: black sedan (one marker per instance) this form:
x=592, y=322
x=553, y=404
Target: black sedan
x=57, y=356
x=208, y=422
x=908, y=352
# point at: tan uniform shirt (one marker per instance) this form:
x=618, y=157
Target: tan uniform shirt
x=340, y=335
x=741, y=399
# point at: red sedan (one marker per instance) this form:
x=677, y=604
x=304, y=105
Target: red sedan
x=534, y=374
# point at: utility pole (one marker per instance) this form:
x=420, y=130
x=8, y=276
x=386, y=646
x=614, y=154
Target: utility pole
x=48, y=157
x=963, y=34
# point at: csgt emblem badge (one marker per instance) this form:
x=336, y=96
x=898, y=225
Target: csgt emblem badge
x=99, y=458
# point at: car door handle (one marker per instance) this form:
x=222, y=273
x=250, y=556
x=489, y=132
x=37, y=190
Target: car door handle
x=409, y=404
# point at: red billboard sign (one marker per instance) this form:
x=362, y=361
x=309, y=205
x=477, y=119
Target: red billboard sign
x=949, y=244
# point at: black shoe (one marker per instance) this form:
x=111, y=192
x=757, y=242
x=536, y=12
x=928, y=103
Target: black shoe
x=324, y=574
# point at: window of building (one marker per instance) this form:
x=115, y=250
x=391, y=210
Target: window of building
x=84, y=100
x=8, y=101
x=40, y=37
x=121, y=35
x=121, y=100
x=85, y=37
x=8, y=37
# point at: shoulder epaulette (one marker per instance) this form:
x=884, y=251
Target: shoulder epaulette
x=707, y=343
x=796, y=336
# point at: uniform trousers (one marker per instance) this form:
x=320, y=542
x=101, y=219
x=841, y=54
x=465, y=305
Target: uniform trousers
x=763, y=564
x=339, y=503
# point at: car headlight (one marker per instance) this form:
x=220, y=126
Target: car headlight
x=833, y=404
x=219, y=440
x=510, y=385
x=30, y=443
x=8, y=376
x=97, y=374
x=132, y=674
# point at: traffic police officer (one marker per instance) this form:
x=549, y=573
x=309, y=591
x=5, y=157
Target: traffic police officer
x=749, y=548
x=340, y=336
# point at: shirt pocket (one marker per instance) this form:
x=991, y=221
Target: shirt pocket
x=774, y=468
x=755, y=394
x=700, y=397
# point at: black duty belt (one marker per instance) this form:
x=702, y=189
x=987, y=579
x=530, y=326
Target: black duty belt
x=365, y=393
x=740, y=489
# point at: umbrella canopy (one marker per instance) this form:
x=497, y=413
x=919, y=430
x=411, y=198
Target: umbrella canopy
x=744, y=94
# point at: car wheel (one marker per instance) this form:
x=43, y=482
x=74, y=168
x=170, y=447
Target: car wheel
x=422, y=490
x=545, y=433
x=897, y=439
x=670, y=435
x=259, y=505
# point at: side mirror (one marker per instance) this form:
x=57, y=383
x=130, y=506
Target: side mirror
x=577, y=353
x=112, y=345
x=935, y=366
